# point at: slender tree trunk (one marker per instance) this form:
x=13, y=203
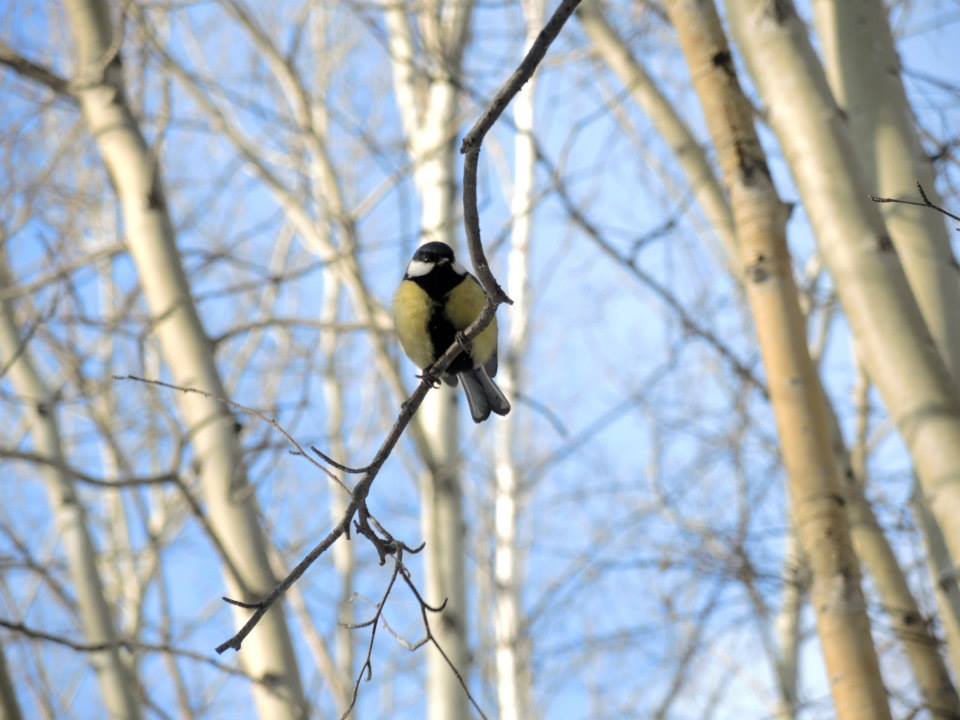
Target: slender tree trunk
x=120, y=571
x=796, y=583
x=875, y=552
x=116, y=685
x=343, y=559
x=441, y=486
x=866, y=533
x=863, y=70
x=268, y=652
x=689, y=153
x=945, y=577
x=513, y=679
x=817, y=504
x=898, y=350
x=9, y=707
x=900, y=607
x=426, y=86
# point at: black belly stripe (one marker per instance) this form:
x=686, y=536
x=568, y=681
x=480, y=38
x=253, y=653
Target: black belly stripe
x=442, y=336
x=438, y=284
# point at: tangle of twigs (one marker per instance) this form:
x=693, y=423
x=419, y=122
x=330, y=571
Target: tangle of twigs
x=357, y=516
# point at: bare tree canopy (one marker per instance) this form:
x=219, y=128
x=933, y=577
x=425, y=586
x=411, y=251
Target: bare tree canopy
x=720, y=242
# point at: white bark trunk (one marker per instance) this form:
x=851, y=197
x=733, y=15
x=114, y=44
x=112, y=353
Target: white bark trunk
x=343, y=559
x=817, y=506
x=899, y=604
x=116, y=686
x=120, y=571
x=946, y=582
x=863, y=69
x=513, y=678
x=878, y=558
x=442, y=520
x=898, y=350
x=787, y=625
x=268, y=652
x=428, y=106
x=689, y=153
x=864, y=73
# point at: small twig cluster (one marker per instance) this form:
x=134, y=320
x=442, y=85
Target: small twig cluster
x=400, y=570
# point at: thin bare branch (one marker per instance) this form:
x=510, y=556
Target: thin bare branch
x=474, y=140
x=925, y=203
x=36, y=72
x=244, y=409
x=126, y=644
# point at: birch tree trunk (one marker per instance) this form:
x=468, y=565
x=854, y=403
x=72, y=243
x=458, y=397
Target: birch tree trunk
x=512, y=654
x=796, y=583
x=900, y=606
x=268, y=653
x=326, y=187
x=689, y=153
x=945, y=578
x=863, y=70
x=897, y=348
x=426, y=88
x=869, y=542
x=343, y=559
x=117, y=687
x=9, y=707
x=815, y=494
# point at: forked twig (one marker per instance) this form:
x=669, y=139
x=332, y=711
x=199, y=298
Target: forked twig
x=926, y=203
x=253, y=412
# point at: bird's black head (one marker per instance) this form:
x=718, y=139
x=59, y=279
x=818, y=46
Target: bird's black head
x=435, y=269
x=434, y=252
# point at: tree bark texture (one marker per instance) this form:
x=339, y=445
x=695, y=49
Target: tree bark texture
x=898, y=351
x=426, y=85
x=268, y=653
x=512, y=642
x=815, y=493
x=863, y=70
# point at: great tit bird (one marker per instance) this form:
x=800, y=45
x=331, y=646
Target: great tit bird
x=437, y=299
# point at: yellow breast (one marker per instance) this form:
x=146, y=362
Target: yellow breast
x=411, y=309
x=412, y=312
x=463, y=305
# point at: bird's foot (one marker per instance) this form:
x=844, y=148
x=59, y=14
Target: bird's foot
x=434, y=381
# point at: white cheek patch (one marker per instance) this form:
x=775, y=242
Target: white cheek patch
x=418, y=268
x=458, y=268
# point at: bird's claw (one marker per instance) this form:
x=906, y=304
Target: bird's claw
x=434, y=382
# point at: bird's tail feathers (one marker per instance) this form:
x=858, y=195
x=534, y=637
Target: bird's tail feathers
x=483, y=395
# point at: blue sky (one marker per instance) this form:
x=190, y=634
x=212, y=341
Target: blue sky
x=597, y=338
